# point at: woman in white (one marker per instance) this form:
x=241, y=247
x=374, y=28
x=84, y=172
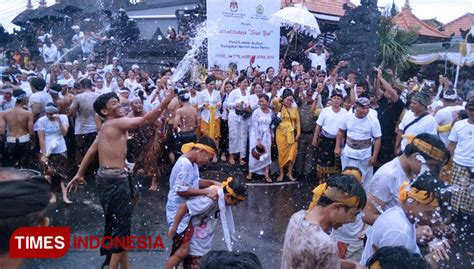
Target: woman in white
x=261, y=134
x=238, y=104
x=131, y=82
x=51, y=131
x=209, y=104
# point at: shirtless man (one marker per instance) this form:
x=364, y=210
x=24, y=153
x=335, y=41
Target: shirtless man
x=172, y=107
x=20, y=129
x=112, y=179
x=185, y=122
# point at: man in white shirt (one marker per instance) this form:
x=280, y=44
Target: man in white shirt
x=49, y=52
x=39, y=99
x=319, y=57
x=6, y=100
x=420, y=203
x=85, y=127
x=461, y=146
x=417, y=120
x=424, y=152
x=327, y=127
x=446, y=115
x=362, y=130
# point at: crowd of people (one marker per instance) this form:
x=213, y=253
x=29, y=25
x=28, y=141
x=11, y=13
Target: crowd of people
x=384, y=154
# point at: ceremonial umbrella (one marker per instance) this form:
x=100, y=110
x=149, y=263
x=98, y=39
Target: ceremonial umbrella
x=297, y=17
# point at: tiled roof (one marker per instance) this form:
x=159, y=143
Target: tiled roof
x=330, y=7
x=435, y=23
x=407, y=20
x=464, y=22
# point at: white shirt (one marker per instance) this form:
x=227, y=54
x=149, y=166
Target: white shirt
x=445, y=116
x=5, y=105
x=204, y=219
x=50, y=54
x=386, y=183
x=463, y=134
x=360, y=129
x=77, y=37
x=26, y=87
x=318, y=60
x=85, y=115
x=391, y=229
x=235, y=97
x=213, y=99
x=184, y=176
x=426, y=125
x=53, y=138
x=330, y=121
x=131, y=84
x=40, y=97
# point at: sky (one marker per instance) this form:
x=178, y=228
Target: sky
x=444, y=10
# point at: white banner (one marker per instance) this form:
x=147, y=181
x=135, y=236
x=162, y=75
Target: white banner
x=243, y=32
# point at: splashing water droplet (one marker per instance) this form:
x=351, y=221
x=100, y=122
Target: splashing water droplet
x=261, y=232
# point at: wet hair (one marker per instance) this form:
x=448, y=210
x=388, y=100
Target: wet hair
x=38, y=83
x=286, y=93
x=76, y=85
x=19, y=93
x=431, y=139
x=221, y=259
x=264, y=96
x=238, y=186
x=101, y=102
x=206, y=140
x=9, y=225
x=86, y=83
x=56, y=87
x=210, y=79
x=430, y=183
x=241, y=78
x=397, y=257
x=347, y=184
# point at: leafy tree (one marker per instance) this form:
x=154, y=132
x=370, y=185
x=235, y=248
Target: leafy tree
x=394, y=44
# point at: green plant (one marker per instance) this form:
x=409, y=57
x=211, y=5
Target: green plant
x=394, y=44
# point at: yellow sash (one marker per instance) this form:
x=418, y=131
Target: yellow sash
x=212, y=121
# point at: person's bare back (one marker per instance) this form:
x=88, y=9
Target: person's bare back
x=18, y=121
x=186, y=119
x=171, y=110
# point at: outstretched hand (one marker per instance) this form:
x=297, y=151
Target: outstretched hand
x=77, y=180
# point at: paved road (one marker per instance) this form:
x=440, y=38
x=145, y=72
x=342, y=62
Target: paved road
x=260, y=221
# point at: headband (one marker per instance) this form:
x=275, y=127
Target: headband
x=22, y=197
x=51, y=109
x=426, y=148
x=421, y=197
x=353, y=172
x=189, y=146
x=20, y=97
x=334, y=194
x=230, y=191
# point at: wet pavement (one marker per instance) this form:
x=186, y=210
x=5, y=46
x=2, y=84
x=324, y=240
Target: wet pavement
x=260, y=221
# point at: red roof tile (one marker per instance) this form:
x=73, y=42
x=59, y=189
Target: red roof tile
x=407, y=20
x=464, y=22
x=331, y=7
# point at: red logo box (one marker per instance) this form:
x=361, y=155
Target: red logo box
x=40, y=242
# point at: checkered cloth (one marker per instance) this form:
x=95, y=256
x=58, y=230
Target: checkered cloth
x=462, y=200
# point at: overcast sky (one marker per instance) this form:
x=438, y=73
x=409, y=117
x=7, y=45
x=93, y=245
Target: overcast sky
x=444, y=10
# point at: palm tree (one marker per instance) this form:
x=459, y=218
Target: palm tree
x=394, y=44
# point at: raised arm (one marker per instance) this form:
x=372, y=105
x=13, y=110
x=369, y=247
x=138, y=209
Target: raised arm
x=125, y=123
x=387, y=87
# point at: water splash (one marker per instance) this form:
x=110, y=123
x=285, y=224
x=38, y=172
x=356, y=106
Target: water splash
x=203, y=31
